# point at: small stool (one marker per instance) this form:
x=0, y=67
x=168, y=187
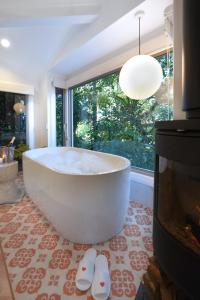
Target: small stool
x=9, y=191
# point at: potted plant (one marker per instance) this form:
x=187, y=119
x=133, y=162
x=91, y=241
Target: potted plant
x=18, y=153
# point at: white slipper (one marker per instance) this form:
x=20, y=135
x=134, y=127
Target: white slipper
x=85, y=273
x=101, y=283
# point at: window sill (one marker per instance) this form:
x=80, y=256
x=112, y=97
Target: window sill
x=145, y=178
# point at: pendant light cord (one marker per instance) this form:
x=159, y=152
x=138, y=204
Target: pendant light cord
x=139, y=15
x=139, y=34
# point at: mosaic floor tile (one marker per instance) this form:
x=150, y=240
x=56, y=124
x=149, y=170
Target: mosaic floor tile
x=42, y=265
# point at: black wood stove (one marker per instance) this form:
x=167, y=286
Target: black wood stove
x=176, y=232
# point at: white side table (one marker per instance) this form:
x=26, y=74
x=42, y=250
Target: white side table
x=9, y=192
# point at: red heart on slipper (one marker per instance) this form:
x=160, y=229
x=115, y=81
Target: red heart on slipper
x=102, y=283
x=83, y=269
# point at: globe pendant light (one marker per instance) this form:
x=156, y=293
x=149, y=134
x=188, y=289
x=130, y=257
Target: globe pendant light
x=19, y=107
x=141, y=76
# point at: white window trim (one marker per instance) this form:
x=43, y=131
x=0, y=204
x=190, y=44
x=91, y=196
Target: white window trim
x=16, y=88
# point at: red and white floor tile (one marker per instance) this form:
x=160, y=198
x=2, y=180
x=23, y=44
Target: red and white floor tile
x=42, y=265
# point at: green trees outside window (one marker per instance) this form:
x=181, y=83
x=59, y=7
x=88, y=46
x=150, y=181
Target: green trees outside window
x=104, y=119
x=59, y=117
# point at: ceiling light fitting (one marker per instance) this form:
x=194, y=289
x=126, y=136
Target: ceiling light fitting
x=5, y=43
x=141, y=76
x=19, y=107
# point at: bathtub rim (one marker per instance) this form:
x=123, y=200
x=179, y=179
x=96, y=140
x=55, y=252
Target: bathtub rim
x=127, y=163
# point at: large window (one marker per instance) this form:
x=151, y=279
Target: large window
x=11, y=124
x=104, y=119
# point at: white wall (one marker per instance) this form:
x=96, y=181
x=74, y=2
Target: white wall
x=30, y=125
x=45, y=109
x=40, y=113
x=10, y=81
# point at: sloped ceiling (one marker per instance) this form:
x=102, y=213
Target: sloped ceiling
x=37, y=30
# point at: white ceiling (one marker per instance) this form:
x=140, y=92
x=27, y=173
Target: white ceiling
x=44, y=8
x=32, y=49
x=37, y=31
x=67, y=35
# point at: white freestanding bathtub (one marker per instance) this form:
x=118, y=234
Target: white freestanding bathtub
x=83, y=193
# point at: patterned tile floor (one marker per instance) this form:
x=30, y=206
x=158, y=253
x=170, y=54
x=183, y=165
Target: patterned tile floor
x=42, y=265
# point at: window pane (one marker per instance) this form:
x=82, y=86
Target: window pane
x=11, y=124
x=59, y=117
x=104, y=119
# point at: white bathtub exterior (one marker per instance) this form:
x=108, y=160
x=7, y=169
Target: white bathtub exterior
x=83, y=208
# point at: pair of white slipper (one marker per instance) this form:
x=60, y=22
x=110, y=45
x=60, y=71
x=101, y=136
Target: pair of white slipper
x=93, y=271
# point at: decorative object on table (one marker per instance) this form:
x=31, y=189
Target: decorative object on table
x=10, y=144
x=3, y=155
x=6, y=154
x=9, y=191
x=141, y=76
x=19, y=107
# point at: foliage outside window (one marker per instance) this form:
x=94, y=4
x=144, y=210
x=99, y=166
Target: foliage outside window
x=106, y=120
x=11, y=124
x=59, y=117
